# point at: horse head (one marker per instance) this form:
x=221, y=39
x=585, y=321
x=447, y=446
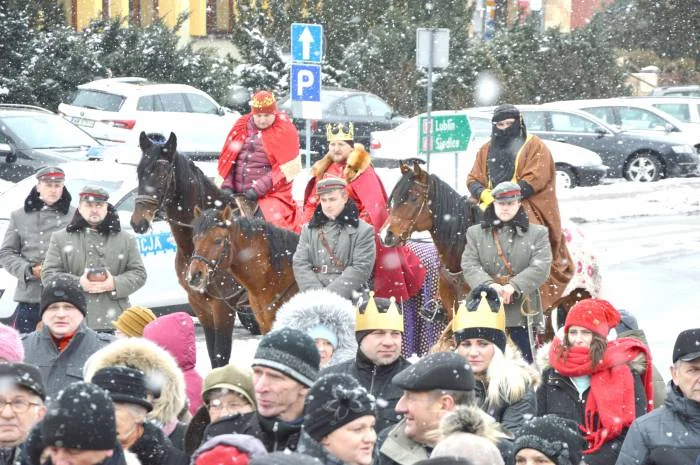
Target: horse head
x=409, y=206
x=156, y=173
x=212, y=246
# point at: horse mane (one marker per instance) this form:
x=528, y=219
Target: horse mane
x=281, y=243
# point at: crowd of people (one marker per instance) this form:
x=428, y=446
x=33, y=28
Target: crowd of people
x=86, y=378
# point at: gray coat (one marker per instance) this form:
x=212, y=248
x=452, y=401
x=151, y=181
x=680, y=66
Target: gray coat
x=672, y=429
x=352, y=241
x=27, y=240
x=58, y=369
x=528, y=250
x=70, y=253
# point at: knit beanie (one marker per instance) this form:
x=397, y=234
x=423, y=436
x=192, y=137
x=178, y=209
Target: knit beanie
x=263, y=102
x=597, y=315
x=556, y=437
x=334, y=401
x=231, y=377
x=81, y=417
x=126, y=385
x=11, y=348
x=290, y=352
x=63, y=289
x=22, y=375
x=132, y=320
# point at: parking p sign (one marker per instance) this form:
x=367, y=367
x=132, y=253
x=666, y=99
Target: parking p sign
x=306, y=91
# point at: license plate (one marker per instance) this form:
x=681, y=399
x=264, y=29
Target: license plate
x=88, y=123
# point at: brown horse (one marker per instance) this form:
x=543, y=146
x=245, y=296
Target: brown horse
x=170, y=186
x=257, y=254
x=423, y=202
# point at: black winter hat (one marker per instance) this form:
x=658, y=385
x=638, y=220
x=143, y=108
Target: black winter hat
x=81, y=417
x=334, y=401
x=556, y=437
x=505, y=111
x=283, y=458
x=63, y=289
x=124, y=384
x=291, y=352
x=687, y=347
x=22, y=375
x=441, y=370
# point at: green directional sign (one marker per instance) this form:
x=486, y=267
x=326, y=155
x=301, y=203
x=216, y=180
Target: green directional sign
x=450, y=133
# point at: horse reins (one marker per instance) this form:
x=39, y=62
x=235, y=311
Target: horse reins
x=164, y=199
x=425, y=194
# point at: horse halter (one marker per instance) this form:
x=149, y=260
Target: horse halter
x=213, y=265
x=403, y=237
x=160, y=203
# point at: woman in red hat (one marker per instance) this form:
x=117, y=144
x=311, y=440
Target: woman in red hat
x=603, y=385
x=260, y=159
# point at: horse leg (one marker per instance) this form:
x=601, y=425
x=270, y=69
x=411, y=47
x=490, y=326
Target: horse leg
x=201, y=308
x=224, y=317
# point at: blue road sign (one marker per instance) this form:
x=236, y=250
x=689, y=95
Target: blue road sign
x=307, y=42
x=306, y=83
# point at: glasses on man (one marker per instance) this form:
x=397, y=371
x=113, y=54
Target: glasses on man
x=17, y=405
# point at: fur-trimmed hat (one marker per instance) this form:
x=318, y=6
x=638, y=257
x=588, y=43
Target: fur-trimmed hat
x=290, y=352
x=481, y=317
x=597, y=315
x=556, y=437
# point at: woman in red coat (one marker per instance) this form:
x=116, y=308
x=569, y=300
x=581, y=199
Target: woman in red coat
x=260, y=159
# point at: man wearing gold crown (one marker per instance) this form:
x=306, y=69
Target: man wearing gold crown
x=397, y=271
x=378, y=330
x=513, y=256
x=260, y=159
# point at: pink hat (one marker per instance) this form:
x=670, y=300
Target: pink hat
x=11, y=349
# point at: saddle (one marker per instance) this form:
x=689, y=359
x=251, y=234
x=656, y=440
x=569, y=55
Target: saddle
x=246, y=208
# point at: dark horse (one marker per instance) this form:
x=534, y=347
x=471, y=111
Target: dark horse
x=257, y=254
x=170, y=185
x=423, y=202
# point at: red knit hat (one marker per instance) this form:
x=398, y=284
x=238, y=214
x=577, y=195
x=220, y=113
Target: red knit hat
x=263, y=102
x=222, y=455
x=598, y=315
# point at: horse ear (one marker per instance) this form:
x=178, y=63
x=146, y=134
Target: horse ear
x=404, y=167
x=171, y=146
x=420, y=174
x=144, y=142
x=197, y=211
x=227, y=214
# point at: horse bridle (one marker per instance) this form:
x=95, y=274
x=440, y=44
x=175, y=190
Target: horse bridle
x=161, y=202
x=403, y=237
x=213, y=265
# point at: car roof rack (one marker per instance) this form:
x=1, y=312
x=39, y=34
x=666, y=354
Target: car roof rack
x=19, y=106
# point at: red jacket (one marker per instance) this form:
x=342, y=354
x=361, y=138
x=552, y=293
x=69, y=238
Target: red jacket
x=281, y=144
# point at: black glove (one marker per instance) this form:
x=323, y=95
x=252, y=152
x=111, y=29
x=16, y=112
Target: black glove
x=251, y=195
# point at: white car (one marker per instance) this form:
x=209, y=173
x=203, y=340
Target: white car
x=685, y=109
x=157, y=246
x=575, y=166
x=117, y=110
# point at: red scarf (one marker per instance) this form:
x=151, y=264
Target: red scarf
x=611, y=398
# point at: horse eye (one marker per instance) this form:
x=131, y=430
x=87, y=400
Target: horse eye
x=412, y=198
x=218, y=241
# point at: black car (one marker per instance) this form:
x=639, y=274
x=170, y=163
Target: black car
x=32, y=137
x=638, y=156
x=366, y=111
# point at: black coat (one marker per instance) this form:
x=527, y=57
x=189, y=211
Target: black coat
x=275, y=434
x=557, y=395
x=377, y=380
x=153, y=448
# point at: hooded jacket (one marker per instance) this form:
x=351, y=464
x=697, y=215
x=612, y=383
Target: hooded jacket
x=312, y=308
x=160, y=369
x=666, y=436
x=175, y=333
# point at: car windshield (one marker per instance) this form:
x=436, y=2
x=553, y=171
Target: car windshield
x=46, y=131
x=96, y=100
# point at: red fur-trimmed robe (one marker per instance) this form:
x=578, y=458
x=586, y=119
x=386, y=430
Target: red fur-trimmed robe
x=281, y=143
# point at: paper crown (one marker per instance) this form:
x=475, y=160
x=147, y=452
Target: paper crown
x=372, y=318
x=483, y=316
x=340, y=131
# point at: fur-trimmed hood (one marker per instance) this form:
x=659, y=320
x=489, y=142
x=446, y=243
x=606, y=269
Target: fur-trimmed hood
x=471, y=419
x=109, y=225
x=159, y=367
x=357, y=163
x=349, y=216
x=510, y=377
x=33, y=202
x=322, y=307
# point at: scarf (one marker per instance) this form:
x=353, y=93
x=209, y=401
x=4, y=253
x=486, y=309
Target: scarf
x=611, y=399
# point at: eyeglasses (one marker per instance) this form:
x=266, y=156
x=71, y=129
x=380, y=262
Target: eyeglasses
x=17, y=405
x=218, y=404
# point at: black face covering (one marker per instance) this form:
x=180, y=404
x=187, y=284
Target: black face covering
x=505, y=144
x=502, y=137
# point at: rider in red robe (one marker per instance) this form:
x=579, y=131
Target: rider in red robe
x=397, y=270
x=260, y=159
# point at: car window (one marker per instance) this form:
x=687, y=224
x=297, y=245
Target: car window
x=355, y=106
x=377, y=107
x=603, y=113
x=679, y=110
x=96, y=100
x=481, y=127
x=201, y=104
x=146, y=103
x=172, y=103
x=565, y=122
x=46, y=131
x=639, y=118
x=535, y=120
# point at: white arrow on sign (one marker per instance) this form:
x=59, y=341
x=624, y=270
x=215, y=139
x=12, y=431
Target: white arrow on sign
x=306, y=39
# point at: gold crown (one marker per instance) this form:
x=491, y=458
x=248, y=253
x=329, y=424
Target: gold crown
x=482, y=317
x=372, y=319
x=337, y=132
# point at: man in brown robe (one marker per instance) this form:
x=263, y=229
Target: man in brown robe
x=512, y=155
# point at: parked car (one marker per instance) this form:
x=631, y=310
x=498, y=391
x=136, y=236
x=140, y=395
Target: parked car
x=366, y=111
x=677, y=91
x=686, y=109
x=33, y=137
x=575, y=166
x=117, y=110
x=637, y=156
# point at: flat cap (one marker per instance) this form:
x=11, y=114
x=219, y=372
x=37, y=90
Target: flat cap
x=94, y=194
x=327, y=185
x=442, y=370
x=51, y=173
x=23, y=375
x=687, y=347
